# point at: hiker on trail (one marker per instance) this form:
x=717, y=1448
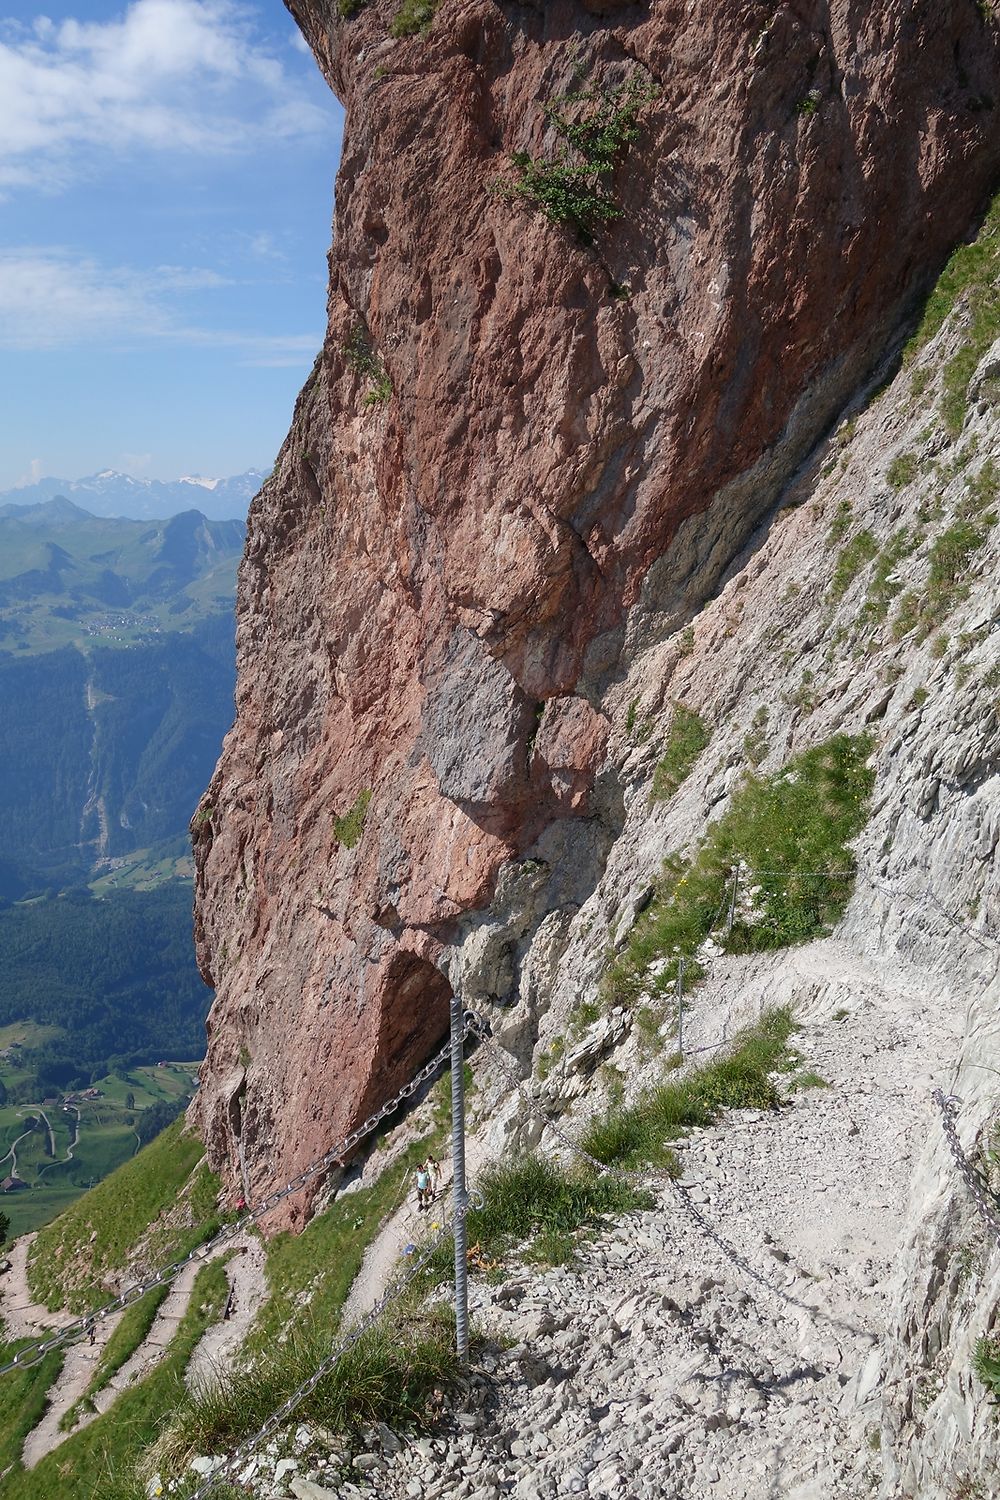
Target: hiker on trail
x=434, y=1172
x=423, y=1186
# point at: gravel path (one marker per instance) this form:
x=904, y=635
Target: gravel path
x=726, y=1344
x=387, y=1251
x=23, y=1317
x=247, y=1292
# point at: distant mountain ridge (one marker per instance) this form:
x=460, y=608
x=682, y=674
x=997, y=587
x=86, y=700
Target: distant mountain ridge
x=62, y=569
x=111, y=493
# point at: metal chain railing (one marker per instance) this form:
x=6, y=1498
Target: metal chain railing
x=731, y=1251
x=249, y=1445
x=34, y=1353
x=987, y=1210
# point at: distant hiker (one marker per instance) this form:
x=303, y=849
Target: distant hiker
x=423, y=1186
x=93, y=1334
x=434, y=1171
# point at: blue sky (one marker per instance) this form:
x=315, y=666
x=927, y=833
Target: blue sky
x=166, y=193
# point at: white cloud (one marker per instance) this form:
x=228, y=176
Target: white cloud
x=136, y=464
x=36, y=471
x=263, y=246
x=169, y=75
x=52, y=298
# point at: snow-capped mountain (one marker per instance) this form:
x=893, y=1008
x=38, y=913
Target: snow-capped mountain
x=112, y=494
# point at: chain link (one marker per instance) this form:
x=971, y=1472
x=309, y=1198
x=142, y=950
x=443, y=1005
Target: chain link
x=33, y=1354
x=249, y=1445
x=968, y=1173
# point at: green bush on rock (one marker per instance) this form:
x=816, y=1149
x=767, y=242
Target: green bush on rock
x=595, y=128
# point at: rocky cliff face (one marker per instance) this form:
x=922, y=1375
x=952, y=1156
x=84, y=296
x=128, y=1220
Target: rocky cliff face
x=526, y=455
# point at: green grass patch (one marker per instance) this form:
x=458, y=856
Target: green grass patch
x=347, y=830
x=902, y=471
x=741, y=1079
x=884, y=586
x=388, y=1376
x=800, y=819
x=537, y=1208
x=841, y=523
x=72, y=1256
x=535, y=1199
x=973, y=275
x=859, y=551
x=24, y=1395
x=686, y=739
x=413, y=17
x=950, y=556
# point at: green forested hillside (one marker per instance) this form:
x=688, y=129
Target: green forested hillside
x=45, y=746
x=67, y=577
x=116, y=684
x=108, y=752
x=114, y=978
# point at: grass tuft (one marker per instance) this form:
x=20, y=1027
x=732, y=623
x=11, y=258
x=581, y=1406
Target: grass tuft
x=413, y=17
x=859, y=551
x=800, y=819
x=642, y=1132
x=347, y=830
x=686, y=739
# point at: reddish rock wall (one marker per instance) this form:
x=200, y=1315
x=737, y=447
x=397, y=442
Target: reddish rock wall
x=434, y=584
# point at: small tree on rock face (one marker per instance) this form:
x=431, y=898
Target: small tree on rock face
x=4, y=1228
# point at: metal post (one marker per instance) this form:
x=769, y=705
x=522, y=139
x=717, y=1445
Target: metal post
x=459, y=1194
x=680, y=1008
x=732, y=904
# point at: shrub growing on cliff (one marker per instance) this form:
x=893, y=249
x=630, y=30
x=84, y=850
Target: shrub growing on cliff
x=595, y=129
x=412, y=17
x=686, y=740
x=986, y=1366
x=347, y=830
x=800, y=819
x=364, y=361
